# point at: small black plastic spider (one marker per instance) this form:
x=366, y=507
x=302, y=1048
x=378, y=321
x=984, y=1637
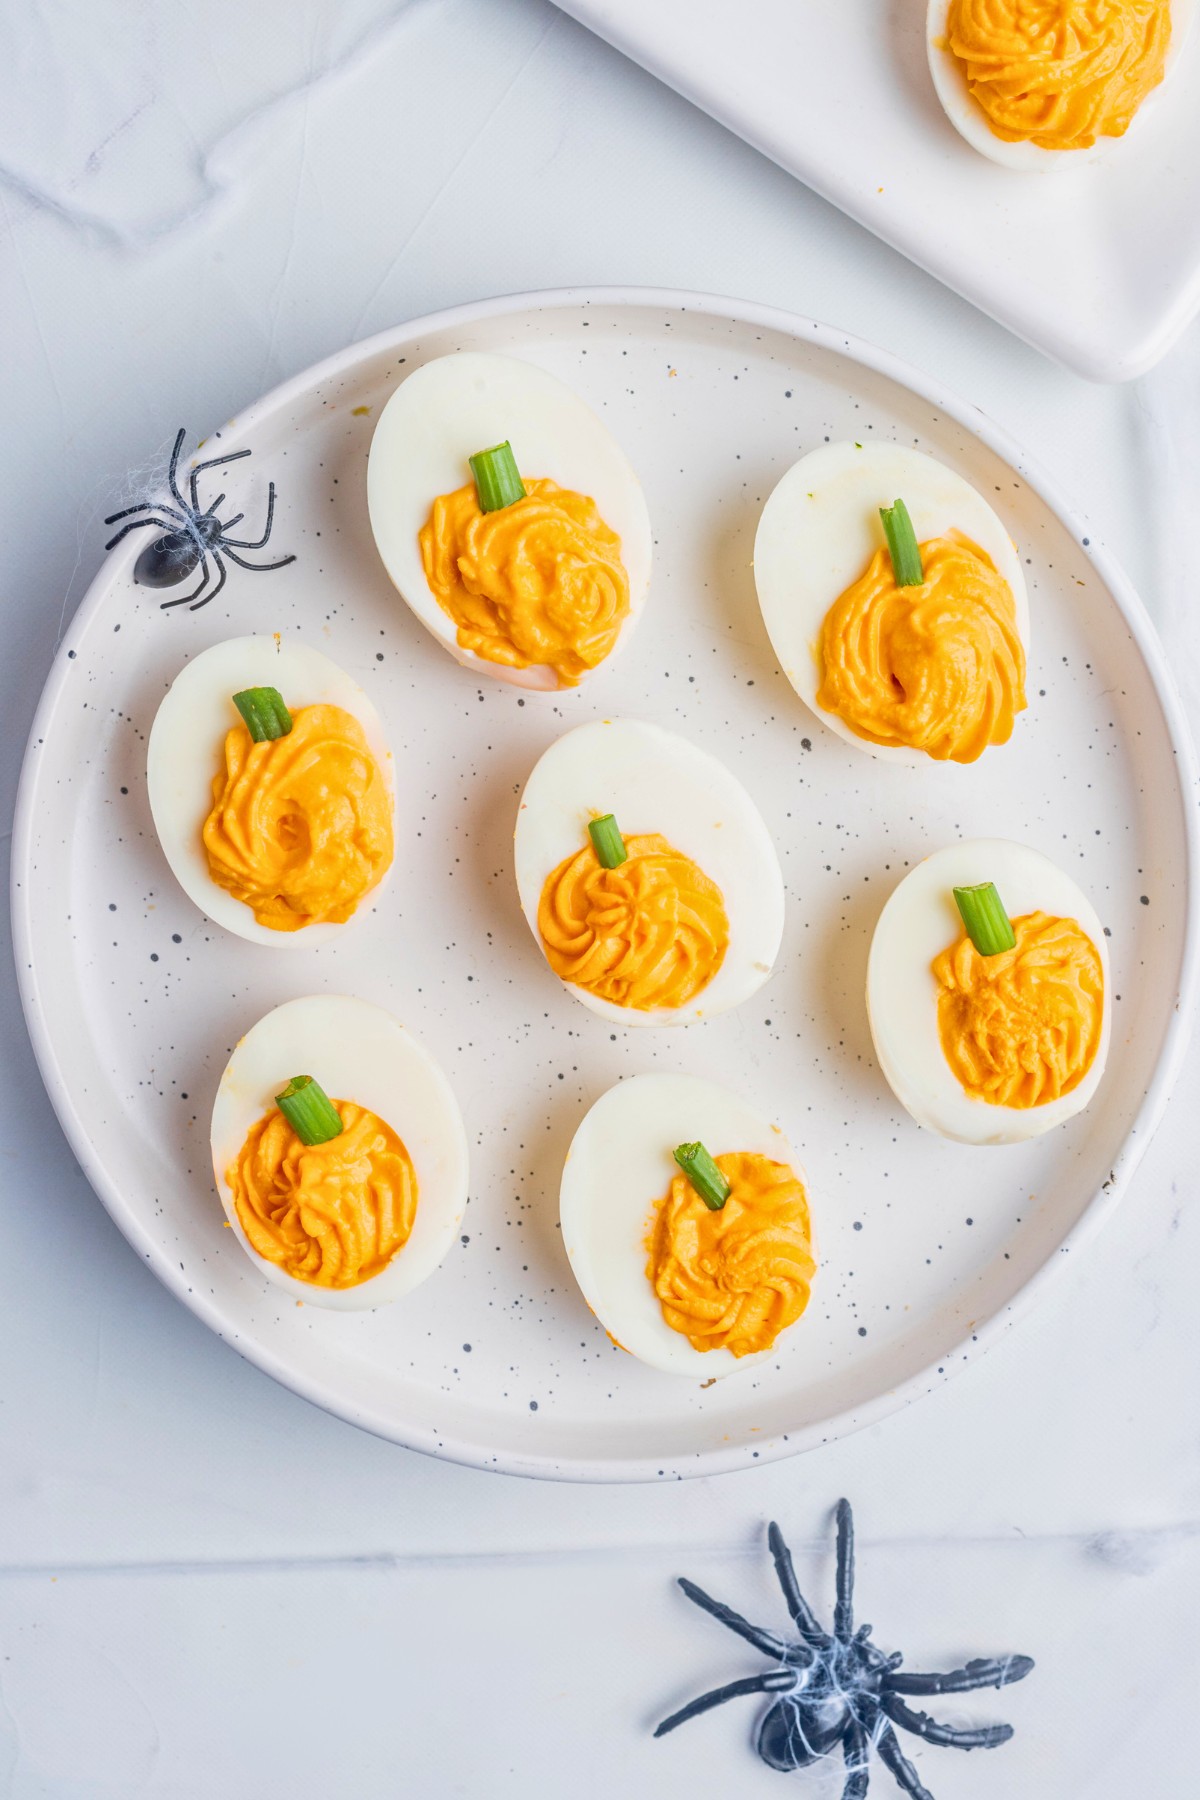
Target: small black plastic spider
x=838, y=1688
x=192, y=536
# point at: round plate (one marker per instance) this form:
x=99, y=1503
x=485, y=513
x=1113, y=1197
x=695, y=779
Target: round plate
x=134, y=999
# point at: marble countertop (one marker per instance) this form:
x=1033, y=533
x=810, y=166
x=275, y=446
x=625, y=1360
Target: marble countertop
x=196, y=203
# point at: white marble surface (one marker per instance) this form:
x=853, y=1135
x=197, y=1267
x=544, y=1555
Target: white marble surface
x=206, y=1586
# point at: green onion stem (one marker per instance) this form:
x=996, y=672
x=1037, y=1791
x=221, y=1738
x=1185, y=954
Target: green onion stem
x=309, y=1110
x=704, y=1175
x=264, y=713
x=497, y=478
x=607, y=842
x=987, y=924
x=902, y=545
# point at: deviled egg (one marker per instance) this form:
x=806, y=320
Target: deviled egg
x=271, y=786
x=1049, y=85
x=895, y=602
x=988, y=991
x=647, y=875
x=509, y=519
x=687, y=1224
x=339, y=1153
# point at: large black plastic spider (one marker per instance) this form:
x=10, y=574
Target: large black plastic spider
x=836, y=1687
x=191, y=536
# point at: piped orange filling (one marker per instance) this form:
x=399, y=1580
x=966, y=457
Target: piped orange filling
x=537, y=582
x=332, y=1214
x=1022, y=1028
x=301, y=826
x=1060, y=73
x=733, y=1279
x=651, y=933
x=938, y=668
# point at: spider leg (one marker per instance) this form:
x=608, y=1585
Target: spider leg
x=205, y=578
x=777, y=1681
x=843, y=1613
x=209, y=510
x=994, y=1671
x=215, y=461
x=983, y=1737
x=893, y=1758
x=857, y=1754
x=256, y=567
x=803, y=1617
x=146, y=506
x=133, y=525
x=222, y=576
x=236, y=520
x=257, y=543
x=766, y=1641
x=172, y=471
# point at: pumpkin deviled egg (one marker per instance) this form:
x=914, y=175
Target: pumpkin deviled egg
x=1045, y=84
x=271, y=786
x=687, y=1225
x=989, y=993
x=895, y=602
x=647, y=875
x=509, y=519
x=339, y=1153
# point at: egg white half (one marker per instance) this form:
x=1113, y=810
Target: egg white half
x=186, y=751
x=821, y=527
x=621, y=1162
x=440, y=416
x=357, y=1052
x=970, y=120
x=920, y=921
x=653, y=781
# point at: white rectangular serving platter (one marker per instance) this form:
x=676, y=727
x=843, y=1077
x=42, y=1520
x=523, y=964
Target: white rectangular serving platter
x=928, y=1249
x=1098, y=266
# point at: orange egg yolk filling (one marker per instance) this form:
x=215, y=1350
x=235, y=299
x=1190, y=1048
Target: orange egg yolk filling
x=651, y=933
x=301, y=826
x=1022, y=1028
x=538, y=582
x=1060, y=73
x=733, y=1279
x=938, y=668
x=332, y=1214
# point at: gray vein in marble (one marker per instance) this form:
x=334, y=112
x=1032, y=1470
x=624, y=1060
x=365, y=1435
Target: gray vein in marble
x=223, y=163
x=430, y=207
x=1134, y=1550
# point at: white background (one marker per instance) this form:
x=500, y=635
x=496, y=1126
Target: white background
x=208, y=1588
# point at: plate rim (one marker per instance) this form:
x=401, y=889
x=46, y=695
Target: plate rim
x=982, y=1334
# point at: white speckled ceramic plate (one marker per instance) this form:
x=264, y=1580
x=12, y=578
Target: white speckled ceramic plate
x=928, y=1248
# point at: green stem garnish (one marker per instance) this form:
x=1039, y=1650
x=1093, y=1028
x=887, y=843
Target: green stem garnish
x=264, y=713
x=309, y=1110
x=987, y=924
x=497, y=479
x=902, y=545
x=704, y=1175
x=607, y=842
